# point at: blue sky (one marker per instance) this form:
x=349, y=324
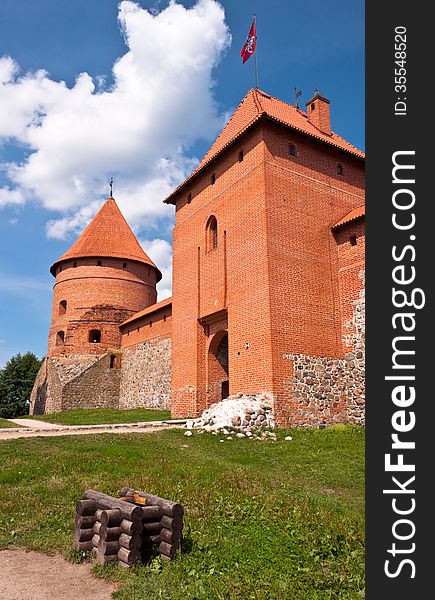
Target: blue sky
x=138, y=91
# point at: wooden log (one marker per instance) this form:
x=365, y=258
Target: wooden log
x=135, y=498
x=166, y=558
x=124, y=565
x=152, y=528
x=129, y=557
x=84, y=522
x=129, y=511
x=169, y=536
x=109, y=517
x=110, y=533
x=95, y=540
x=103, y=559
x=151, y=513
x=108, y=547
x=131, y=527
x=82, y=535
x=168, y=549
x=171, y=509
x=97, y=527
x=130, y=541
x=172, y=522
x=86, y=507
x=83, y=545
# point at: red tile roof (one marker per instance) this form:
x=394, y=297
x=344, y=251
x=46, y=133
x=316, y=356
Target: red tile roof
x=254, y=106
x=353, y=215
x=148, y=311
x=107, y=235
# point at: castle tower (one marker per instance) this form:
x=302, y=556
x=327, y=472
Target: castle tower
x=101, y=281
x=257, y=303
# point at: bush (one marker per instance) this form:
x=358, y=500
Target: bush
x=16, y=382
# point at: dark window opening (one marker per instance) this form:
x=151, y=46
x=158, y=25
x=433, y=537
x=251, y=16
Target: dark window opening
x=95, y=336
x=151, y=323
x=62, y=307
x=74, y=264
x=241, y=156
x=112, y=361
x=292, y=150
x=212, y=234
x=213, y=178
x=60, y=269
x=312, y=107
x=352, y=240
x=189, y=198
x=60, y=338
x=124, y=265
x=164, y=317
x=340, y=169
x=99, y=263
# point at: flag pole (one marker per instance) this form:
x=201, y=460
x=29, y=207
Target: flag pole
x=255, y=53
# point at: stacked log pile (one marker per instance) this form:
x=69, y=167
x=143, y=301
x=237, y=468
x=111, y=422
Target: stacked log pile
x=166, y=532
x=125, y=529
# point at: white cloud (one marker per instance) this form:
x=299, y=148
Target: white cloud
x=160, y=252
x=138, y=130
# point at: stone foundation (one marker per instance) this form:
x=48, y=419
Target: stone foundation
x=325, y=390
x=146, y=376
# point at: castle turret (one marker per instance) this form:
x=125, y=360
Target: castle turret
x=102, y=280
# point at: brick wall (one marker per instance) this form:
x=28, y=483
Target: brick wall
x=305, y=197
x=233, y=275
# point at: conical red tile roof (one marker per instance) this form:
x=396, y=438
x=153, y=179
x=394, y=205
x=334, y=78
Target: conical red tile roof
x=107, y=235
x=254, y=106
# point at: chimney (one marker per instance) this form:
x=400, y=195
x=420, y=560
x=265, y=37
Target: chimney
x=318, y=113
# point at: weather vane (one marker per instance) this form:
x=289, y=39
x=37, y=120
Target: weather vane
x=111, y=187
x=297, y=94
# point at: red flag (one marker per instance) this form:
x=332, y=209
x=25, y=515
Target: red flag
x=249, y=46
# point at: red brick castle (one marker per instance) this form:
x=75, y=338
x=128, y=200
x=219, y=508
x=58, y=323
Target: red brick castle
x=268, y=283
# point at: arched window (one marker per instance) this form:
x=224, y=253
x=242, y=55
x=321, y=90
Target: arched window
x=60, y=338
x=292, y=150
x=62, y=307
x=211, y=234
x=339, y=169
x=95, y=336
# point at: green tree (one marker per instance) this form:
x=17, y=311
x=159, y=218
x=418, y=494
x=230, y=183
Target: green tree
x=16, y=382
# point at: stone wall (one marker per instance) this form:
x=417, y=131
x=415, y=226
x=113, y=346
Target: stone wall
x=146, y=375
x=65, y=383
x=95, y=387
x=328, y=390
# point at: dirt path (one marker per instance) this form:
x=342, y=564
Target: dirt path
x=33, y=576
x=53, y=430
x=34, y=424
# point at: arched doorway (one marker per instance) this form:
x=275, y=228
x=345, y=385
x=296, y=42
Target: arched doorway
x=217, y=368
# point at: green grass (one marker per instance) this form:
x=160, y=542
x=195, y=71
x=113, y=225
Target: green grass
x=263, y=520
x=102, y=416
x=5, y=424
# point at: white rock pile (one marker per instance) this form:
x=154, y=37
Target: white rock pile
x=240, y=412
